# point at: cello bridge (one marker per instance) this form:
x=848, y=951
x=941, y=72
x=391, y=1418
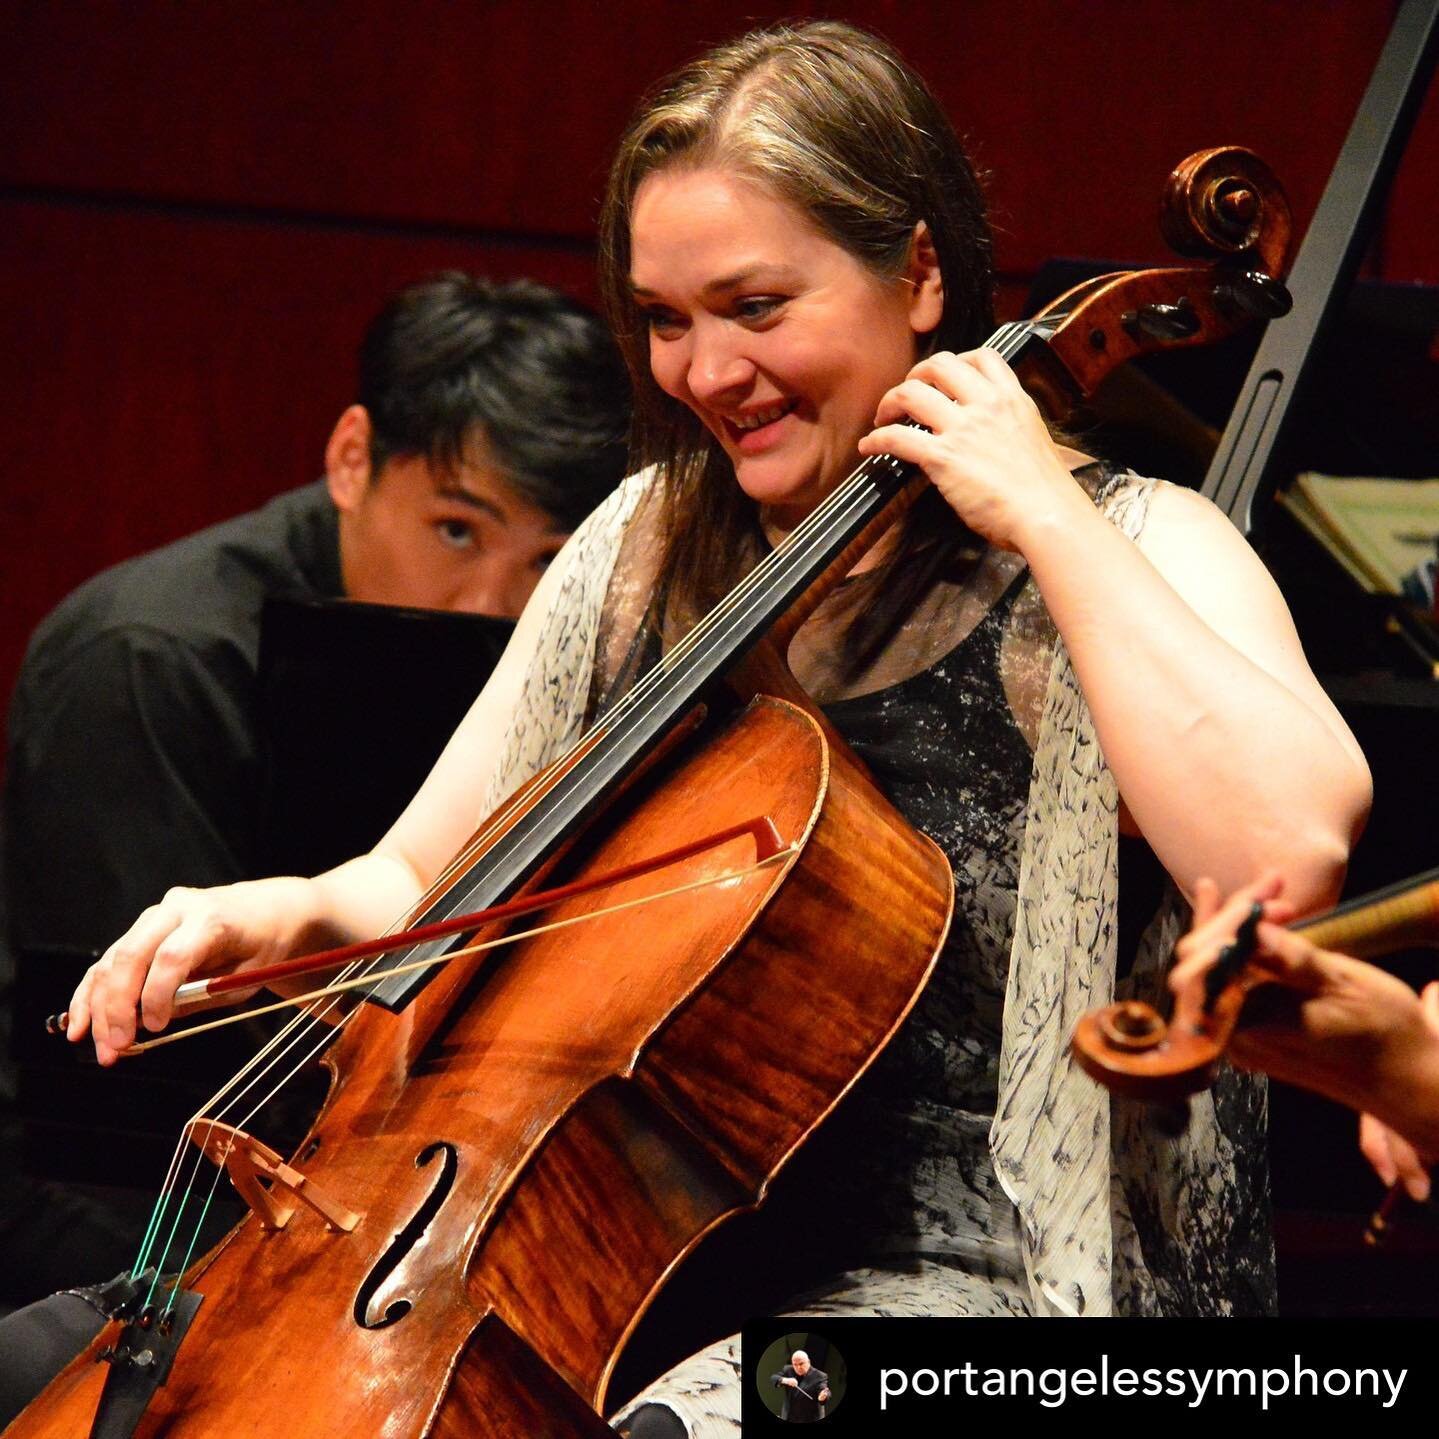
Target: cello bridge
x=273, y=1189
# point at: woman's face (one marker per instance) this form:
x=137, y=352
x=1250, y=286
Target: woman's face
x=777, y=338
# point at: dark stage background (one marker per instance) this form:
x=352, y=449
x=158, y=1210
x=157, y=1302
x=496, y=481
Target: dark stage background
x=201, y=205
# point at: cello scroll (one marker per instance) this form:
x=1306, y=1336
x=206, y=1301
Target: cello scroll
x=1223, y=205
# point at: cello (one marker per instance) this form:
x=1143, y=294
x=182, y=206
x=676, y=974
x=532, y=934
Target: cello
x=516, y=1153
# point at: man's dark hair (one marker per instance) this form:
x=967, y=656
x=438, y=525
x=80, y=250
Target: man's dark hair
x=532, y=370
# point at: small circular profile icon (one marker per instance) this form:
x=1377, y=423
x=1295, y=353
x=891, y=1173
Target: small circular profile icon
x=801, y=1378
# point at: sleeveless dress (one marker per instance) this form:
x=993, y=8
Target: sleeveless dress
x=906, y=1161
x=912, y=1219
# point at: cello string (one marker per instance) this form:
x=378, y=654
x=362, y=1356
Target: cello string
x=175, y=1288
x=290, y=1036
x=184, y=1264
x=171, y=1187
x=1006, y=341
x=199, y=1156
x=219, y=1169
x=156, y=1217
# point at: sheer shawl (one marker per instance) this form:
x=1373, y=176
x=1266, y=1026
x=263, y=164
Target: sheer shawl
x=1114, y=1216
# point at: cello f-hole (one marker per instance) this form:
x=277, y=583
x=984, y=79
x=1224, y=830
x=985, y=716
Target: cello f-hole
x=399, y=1248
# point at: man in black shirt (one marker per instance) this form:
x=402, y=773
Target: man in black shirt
x=489, y=420
x=806, y=1389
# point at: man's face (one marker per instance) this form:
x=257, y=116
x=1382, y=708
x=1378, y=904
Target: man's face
x=800, y=1364
x=446, y=540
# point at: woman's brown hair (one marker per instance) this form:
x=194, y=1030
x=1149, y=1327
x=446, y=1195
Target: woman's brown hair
x=829, y=118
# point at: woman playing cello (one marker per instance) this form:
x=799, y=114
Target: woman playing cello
x=1044, y=654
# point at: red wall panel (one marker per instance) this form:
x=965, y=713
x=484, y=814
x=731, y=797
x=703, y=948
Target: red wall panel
x=1408, y=247
x=503, y=115
x=200, y=204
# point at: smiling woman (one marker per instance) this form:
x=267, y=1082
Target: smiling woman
x=793, y=252
x=777, y=128
x=779, y=340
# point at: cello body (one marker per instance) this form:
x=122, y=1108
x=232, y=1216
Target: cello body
x=533, y=1146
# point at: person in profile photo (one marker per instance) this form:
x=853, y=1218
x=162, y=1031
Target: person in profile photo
x=806, y=1390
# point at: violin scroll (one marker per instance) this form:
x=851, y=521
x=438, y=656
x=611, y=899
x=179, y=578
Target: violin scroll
x=1132, y=1050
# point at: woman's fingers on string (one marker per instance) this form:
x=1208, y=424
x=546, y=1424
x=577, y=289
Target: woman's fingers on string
x=1206, y=900
x=1393, y=1158
x=958, y=377
x=904, y=442
x=994, y=367
x=1216, y=924
x=938, y=383
x=915, y=400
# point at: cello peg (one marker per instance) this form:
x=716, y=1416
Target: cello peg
x=1253, y=294
x=1237, y=206
x=1163, y=322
